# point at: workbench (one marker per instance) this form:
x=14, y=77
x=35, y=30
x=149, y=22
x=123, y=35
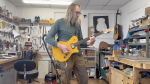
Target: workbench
x=116, y=76
x=8, y=75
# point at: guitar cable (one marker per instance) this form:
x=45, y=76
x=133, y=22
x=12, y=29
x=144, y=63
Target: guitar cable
x=51, y=59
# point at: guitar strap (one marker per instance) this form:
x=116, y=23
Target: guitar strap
x=76, y=30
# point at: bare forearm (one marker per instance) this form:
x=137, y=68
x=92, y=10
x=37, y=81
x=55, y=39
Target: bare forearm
x=90, y=43
x=59, y=45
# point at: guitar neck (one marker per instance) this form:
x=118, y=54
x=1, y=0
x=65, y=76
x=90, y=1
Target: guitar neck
x=86, y=39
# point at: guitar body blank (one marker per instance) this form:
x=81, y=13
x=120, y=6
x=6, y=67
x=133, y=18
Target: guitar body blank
x=59, y=55
x=117, y=32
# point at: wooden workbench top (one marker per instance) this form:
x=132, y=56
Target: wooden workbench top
x=138, y=64
x=2, y=61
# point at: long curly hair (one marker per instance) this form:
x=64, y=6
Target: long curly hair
x=69, y=14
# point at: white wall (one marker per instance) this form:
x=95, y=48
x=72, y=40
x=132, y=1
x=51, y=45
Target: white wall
x=133, y=10
x=9, y=6
x=46, y=13
x=86, y=22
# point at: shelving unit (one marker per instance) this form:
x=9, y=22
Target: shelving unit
x=12, y=20
x=90, y=57
x=142, y=36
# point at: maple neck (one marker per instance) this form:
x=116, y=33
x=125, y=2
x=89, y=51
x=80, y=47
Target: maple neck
x=86, y=39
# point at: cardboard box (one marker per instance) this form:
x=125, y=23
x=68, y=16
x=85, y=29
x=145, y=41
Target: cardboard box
x=91, y=63
x=44, y=21
x=16, y=18
x=145, y=22
x=83, y=52
x=147, y=11
x=143, y=54
x=116, y=53
x=122, y=66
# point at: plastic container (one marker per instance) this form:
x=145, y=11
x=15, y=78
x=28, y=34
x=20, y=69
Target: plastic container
x=51, y=21
x=14, y=48
x=92, y=72
x=88, y=71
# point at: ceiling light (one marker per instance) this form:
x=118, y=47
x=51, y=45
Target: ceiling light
x=47, y=2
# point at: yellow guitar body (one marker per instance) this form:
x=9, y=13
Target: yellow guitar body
x=59, y=55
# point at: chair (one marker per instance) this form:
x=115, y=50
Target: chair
x=26, y=70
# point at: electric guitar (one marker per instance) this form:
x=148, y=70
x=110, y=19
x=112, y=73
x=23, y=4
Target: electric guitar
x=73, y=45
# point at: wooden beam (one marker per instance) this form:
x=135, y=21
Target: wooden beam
x=119, y=71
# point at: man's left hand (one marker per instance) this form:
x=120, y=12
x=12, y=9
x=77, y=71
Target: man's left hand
x=92, y=40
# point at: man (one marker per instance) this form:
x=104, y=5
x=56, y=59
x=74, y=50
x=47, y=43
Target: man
x=66, y=28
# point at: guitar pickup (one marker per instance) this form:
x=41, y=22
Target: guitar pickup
x=72, y=46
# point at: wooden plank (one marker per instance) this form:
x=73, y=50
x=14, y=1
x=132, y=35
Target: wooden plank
x=128, y=80
x=131, y=63
x=15, y=76
x=110, y=62
x=135, y=75
x=146, y=65
x=113, y=77
x=110, y=57
x=121, y=72
x=38, y=59
x=119, y=78
x=2, y=61
x=8, y=65
x=144, y=81
x=133, y=58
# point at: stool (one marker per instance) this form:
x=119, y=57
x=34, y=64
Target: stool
x=50, y=78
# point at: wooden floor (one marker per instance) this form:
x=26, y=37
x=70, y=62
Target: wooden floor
x=90, y=81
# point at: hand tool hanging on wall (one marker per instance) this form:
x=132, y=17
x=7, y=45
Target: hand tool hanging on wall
x=14, y=27
x=28, y=29
x=40, y=39
x=42, y=46
x=43, y=30
x=0, y=24
x=34, y=42
x=40, y=28
x=3, y=24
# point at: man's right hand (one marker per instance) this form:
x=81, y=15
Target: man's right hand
x=64, y=48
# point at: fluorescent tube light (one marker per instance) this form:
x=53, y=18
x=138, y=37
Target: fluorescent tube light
x=48, y=2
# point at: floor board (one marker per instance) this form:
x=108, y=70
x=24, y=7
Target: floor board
x=73, y=81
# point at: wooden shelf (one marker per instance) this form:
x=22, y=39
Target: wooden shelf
x=2, y=15
x=90, y=66
x=42, y=23
x=8, y=18
x=89, y=56
x=139, y=29
x=25, y=22
x=121, y=72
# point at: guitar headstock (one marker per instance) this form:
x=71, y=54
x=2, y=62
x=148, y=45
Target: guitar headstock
x=107, y=30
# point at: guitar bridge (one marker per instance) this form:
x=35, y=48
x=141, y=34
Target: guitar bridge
x=72, y=46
